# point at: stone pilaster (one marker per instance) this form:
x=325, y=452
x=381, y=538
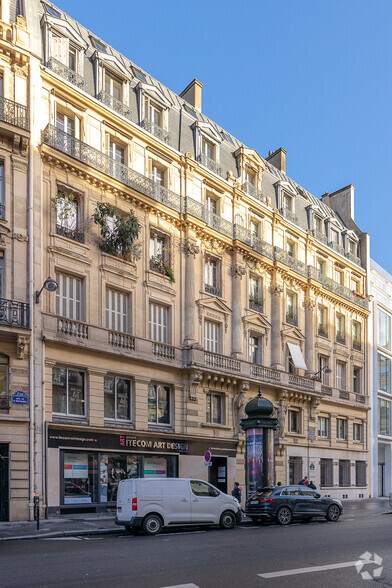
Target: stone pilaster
x=96, y=398
x=276, y=321
x=309, y=334
x=191, y=250
x=237, y=271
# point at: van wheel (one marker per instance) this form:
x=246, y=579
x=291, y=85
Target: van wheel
x=152, y=524
x=227, y=520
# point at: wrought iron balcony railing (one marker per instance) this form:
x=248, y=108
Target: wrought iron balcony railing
x=336, y=247
x=336, y=288
x=14, y=113
x=2, y=212
x=74, y=234
x=320, y=236
x=353, y=257
x=211, y=164
x=215, y=290
x=357, y=345
x=251, y=190
x=289, y=215
x=256, y=303
x=115, y=104
x=292, y=318
x=341, y=339
x=14, y=314
x=213, y=220
x=157, y=266
x=297, y=265
x=66, y=73
x=245, y=236
x=155, y=130
x=323, y=331
x=75, y=148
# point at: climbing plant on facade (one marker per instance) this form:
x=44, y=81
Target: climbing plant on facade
x=118, y=232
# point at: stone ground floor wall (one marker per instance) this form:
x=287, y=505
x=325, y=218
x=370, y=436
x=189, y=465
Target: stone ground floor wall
x=16, y=437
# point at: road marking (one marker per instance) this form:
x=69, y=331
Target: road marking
x=346, y=564
x=61, y=539
x=175, y=535
x=182, y=586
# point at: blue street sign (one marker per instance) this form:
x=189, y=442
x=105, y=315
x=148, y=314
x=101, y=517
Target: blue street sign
x=207, y=456
x=20, y=398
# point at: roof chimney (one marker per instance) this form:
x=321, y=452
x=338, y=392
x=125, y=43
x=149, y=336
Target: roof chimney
x=278, y=159
x=192, y=93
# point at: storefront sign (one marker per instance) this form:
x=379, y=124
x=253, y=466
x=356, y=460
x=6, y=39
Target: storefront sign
x=20, y=398
x=136, y=442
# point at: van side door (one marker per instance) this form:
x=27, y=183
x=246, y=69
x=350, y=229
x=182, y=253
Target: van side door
x=176, y=501
x=205, y=501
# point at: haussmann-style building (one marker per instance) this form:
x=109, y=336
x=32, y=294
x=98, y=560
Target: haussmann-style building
x=190, y=270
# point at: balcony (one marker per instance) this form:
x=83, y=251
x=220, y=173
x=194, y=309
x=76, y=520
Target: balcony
x=353, y=258
x=14, y=113
x=336, y=288
x=209, y=163
x=222, y=362
x=163, y=351
x=214, y=221
x=101, y=162
x=66, y=73
x=115, y=104
x=336, y=247
x=266, y=374
x=292, y=318
x=251, y=190
x=341, y=339
x=256, y=302
x=121, y=340
x=14, y=314
x=72, y=328
x=2, y=212
x=214, y=290
x=286, y=213
x=295, y=264
x=301, y=382
x=155, y=130
x=323, y=331
x=320, y=236
x=74, y=234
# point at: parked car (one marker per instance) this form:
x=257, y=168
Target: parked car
x=286, y=503
x=153, y=503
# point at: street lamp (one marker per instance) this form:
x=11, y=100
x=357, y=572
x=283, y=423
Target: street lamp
x=317, y=375
x=50, y=284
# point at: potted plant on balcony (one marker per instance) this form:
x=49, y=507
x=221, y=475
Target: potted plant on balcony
x=158, y=263
x=118, y=232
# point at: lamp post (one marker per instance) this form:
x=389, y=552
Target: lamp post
x=259, y=427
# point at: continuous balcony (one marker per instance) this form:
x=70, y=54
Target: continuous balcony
x=14, y=113
x=155, y=130
x=115, y=104
x=14, y=314
x=209, y=163
x=2, y=212
x=66, y=73
x=101, y=162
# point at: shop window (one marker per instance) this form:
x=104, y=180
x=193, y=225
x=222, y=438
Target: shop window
x=294, y=421
x=384, y=373
x=117, y=311
x=117, y=398
x=115, y=467
x=4, y=382
x=341, y=429
x=159, y=400
x=80, y=476
x=344, y=472
x=211, y=336
x=326, y=472
x=360, y=473
x=68, y=392
x=323, y=427
x=214, y=408
x=358, y=432
x=158, y=322
x=69, y=297
x=69, y=216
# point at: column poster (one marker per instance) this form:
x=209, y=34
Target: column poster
x=254, y=459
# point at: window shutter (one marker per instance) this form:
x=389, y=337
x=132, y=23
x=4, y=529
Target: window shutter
x=107, y=143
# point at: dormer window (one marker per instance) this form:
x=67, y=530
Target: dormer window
x=52, y=11
x=154, y=109
x=65, y=60
x=287, y=203
x=290, y=248
x=99, y=45
x=335, y=237
x=153, y=112
x=72, y=59
x=113, y=86
x=208, y=149
x=250, y=178
x=318, y=224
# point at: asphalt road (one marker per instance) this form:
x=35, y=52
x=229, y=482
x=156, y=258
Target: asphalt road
x=212, y=558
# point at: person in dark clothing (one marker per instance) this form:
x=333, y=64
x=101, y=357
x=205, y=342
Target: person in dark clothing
x=312, y=485
x=304, y=481
x=236, y=492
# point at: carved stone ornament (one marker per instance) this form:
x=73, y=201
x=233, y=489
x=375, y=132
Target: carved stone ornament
x=194, y=380
x=238, y=411
x=237, y=271
x=20, y=237
x=191, y=248
x=276, y=289
x=310, y=304
x=281, y=415
x=21, y=347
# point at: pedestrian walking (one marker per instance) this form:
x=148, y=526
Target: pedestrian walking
x=312, y=485
x=236, y=492
x=304, y=481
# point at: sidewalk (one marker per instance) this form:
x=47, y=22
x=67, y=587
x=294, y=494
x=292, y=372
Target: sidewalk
x=104, y=524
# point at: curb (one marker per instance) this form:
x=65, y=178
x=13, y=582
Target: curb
x=65, y=534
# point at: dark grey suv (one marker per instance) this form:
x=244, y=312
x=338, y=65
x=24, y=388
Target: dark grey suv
x=286, y=503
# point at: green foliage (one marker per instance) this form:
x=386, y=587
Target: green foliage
x=118, y=232
x=64, y=205
x=159, y=262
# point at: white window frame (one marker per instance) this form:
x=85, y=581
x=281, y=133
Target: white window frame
x=358, y=432
x=212, y=337
x=341, y=429
x=255, y=349
x=294, y=417
x=169, y=398
x=67, y=413
x=323, y=427
x=341, y=375
x=117, y=311
x=116, y=417
x=110, y=80
x=69, y=296
x=159, y=317
x=210, y=398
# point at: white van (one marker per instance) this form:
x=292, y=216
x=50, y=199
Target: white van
x=152, y=503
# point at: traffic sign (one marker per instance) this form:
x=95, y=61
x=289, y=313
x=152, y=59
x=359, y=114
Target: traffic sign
x=207, y=456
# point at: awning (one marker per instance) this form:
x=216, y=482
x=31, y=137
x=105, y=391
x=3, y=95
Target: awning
x=296, y=356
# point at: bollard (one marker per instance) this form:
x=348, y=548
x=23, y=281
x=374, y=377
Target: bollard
x=36, y=509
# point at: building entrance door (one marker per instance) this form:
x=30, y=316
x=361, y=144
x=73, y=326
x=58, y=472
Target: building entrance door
x=4, y=484
x=295, y=470
x=218, y=473
x=381, y=468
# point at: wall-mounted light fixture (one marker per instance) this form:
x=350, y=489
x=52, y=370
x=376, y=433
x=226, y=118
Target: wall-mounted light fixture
x=50, y=284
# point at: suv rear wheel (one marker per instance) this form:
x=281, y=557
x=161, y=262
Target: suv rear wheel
x=152, y=524
x=284, y=515
x=227, y=520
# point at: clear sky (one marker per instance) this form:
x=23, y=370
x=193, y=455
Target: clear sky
x=311, y=76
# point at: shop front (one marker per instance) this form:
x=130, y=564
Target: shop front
x=92, y=463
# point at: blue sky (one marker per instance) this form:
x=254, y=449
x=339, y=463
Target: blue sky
x=312, y=77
